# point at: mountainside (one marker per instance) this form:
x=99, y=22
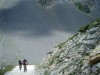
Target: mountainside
x=86, y=6
x=25, y=23
x=79, y=55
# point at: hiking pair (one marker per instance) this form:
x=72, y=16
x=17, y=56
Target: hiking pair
x=24, y=63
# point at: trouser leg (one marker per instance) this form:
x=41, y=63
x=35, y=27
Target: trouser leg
x=25, y=68
x=20, y=67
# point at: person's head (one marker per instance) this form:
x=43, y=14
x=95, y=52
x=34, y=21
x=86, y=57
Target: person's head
x=25, y=60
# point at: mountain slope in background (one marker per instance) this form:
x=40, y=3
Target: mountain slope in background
x=86, y=6
x=79, y=55
x=30, y=29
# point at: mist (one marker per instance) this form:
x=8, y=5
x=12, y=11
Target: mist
x=30, y=31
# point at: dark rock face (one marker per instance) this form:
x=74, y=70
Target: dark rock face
x=45, y=3
x=94, y=61
x=86, y=6
x=79, y=55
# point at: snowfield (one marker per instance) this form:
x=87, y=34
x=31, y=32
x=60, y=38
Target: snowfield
x=16, y=71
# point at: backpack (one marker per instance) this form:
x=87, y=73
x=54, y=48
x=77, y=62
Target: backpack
x=24, y=62
x=20, y=62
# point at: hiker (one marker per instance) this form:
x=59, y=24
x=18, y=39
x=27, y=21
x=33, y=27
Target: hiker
x=25, y=63
x=20, y=64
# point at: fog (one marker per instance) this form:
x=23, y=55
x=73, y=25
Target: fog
x=30, y=31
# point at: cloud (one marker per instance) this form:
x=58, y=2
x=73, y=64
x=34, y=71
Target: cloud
x=30, y=19
x=32, y=48
x=5, y=4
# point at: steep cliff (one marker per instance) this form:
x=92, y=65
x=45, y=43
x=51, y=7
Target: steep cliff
x=79, y=55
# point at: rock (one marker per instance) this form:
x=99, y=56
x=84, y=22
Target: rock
x=85, y=6
x=79, y=55
x=46, y=3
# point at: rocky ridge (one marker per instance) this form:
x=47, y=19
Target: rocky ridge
x=79, y=55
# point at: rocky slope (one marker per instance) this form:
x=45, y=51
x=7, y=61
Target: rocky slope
x=46, y=3
x=86, y=6
x=79, y=55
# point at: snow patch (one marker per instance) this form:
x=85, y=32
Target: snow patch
x=16, y=71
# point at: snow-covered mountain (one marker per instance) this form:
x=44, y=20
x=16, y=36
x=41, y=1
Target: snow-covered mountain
x=79, y=55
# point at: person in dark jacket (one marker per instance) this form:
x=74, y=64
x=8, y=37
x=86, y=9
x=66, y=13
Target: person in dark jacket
x=20, y=64
x=25, y=63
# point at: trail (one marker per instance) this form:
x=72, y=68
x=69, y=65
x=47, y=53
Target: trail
x=16, y=71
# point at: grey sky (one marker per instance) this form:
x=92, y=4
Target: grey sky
x=29, y=31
